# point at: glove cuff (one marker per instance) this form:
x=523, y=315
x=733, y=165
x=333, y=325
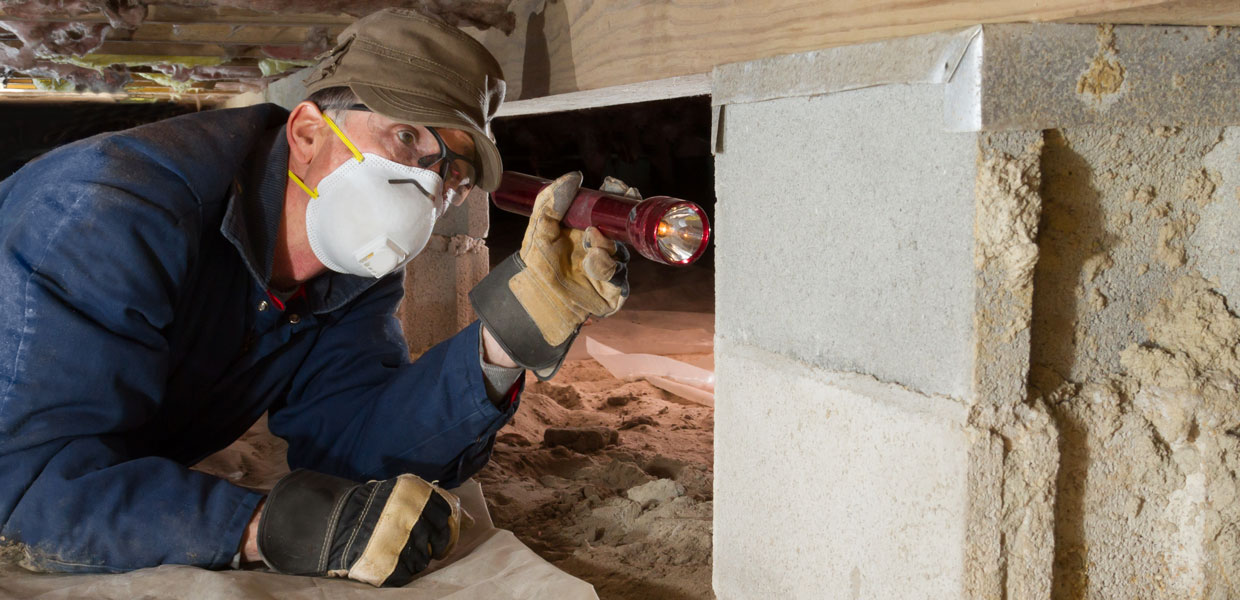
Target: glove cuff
x=502, y=314
x=298, y=521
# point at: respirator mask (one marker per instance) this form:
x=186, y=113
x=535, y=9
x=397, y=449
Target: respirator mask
x=371, y=216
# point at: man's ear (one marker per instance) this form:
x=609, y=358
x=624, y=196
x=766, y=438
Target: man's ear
x=302, y=131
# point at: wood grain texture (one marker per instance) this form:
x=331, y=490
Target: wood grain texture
x=563, y=46
x=1177, y=12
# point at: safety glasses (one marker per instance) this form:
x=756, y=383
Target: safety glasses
x=425, y=147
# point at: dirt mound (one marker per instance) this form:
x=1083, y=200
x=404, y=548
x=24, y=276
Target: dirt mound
x=633, y=518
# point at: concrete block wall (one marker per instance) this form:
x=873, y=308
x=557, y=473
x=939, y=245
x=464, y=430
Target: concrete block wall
x=974, y=325
x=844, y=276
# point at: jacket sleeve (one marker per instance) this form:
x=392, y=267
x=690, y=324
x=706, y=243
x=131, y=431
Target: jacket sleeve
x=359, y=409
x=90, y=272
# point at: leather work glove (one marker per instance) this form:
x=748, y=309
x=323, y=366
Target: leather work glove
x=535, y=302
x=568, y=273
x=379, y=532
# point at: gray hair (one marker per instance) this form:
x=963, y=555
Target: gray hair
x=333, y=100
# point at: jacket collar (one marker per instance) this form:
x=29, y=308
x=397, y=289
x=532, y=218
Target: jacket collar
x=252, y=222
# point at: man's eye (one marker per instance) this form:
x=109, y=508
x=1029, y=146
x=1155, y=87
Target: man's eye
x=406, y=137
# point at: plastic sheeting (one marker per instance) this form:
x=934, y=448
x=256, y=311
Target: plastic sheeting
x=683, y=379
x=490, y=563
x=650, y=332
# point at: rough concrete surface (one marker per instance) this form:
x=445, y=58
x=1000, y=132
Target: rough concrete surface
x=437, y=283
x=1213, y=243
x=1134, y=351
x=1010, y=544
x=845, y=226
x=834, y=485
x=1043, y=76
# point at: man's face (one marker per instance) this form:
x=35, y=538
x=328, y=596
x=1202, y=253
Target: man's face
x=448, y=152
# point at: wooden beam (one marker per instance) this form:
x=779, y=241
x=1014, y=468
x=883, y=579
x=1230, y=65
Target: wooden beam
x=19, y=90
x=174, y=15
x=575, y=45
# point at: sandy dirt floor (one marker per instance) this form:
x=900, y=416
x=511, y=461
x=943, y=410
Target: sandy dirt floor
x=632, y=518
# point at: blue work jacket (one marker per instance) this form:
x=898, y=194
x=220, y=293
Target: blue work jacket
x=137, y=337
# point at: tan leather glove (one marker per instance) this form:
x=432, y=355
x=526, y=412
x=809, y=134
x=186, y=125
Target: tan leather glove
x=568, y=273
x=535, y=301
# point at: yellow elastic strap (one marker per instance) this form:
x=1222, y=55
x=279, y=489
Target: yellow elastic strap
x=302, y=185
x=340, y=134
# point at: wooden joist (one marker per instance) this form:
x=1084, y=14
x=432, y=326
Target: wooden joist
x=179, y=15
x=575, y=45
x=25, y=90
x=580, y=45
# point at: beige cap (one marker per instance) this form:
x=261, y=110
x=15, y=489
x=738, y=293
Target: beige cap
x=418, y=70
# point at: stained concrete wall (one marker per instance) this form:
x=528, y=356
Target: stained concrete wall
x=1050, y=399
x=1135, y=350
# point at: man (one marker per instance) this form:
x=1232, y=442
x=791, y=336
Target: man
x=166, y=285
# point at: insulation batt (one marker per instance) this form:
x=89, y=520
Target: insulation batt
x=41, y=41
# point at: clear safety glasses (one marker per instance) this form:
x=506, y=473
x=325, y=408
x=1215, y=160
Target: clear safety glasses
x=426, y=147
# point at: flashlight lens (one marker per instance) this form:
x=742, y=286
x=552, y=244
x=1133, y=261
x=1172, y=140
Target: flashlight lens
x=680, y=233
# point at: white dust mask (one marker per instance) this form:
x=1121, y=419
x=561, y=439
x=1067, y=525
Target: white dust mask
x=371, y=216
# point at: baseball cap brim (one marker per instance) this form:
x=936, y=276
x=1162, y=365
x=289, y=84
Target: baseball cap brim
x=414, y=109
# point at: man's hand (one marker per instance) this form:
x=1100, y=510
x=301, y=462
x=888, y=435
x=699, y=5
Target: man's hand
x=534, y=302
x=380, y=532
x=568, y=273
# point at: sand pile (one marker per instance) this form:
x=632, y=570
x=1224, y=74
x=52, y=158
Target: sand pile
x=628, y=511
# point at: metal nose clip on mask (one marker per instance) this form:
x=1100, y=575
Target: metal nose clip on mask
x=371, y=216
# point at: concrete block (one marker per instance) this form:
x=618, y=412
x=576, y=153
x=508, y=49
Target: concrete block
x=470, y=218
x=845, y=234
x=1044, y=76
x=437, y=284
x=834, y=485
x=929, y=58
x=1214, y=242
x=438, y=281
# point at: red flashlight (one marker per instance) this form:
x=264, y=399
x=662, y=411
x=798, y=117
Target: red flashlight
x=664, y=229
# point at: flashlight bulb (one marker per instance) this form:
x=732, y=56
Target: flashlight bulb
x=680, y=233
